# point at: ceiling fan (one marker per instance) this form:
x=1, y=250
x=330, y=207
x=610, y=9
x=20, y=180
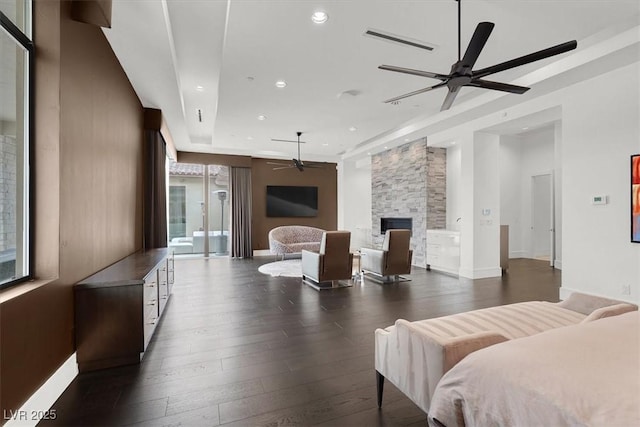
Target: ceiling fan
x=297, y=163
x=462, y=73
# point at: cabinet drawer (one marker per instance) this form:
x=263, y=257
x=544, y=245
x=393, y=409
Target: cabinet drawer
x=434, y=238
x=162, y=275
x=434, y=249
x=433, y=259
x=149, y=328
x=163, y=296
x=150, y=291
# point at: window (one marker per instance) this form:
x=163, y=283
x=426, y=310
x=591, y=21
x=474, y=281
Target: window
x=177, y=211
x=16, y=52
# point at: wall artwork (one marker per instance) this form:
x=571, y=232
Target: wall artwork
x=635, y=198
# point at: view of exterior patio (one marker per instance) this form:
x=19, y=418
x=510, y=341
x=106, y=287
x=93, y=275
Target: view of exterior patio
x=189, y=214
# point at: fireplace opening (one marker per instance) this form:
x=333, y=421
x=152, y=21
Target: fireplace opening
x=396, y=223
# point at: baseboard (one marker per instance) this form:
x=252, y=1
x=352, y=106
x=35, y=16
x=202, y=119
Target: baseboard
x=557, y=264
x=481, y=273
x=444, y=270
x=565, y=292
x=37, y=407
x=517, y=254
x=262, y=252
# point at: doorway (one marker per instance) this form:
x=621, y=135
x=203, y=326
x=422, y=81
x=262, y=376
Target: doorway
x=198, y=209
x=542, y=218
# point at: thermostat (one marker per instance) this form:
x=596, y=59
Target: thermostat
x=599, y=200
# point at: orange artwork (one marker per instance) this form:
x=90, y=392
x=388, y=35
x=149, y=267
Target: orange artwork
x=635, y=198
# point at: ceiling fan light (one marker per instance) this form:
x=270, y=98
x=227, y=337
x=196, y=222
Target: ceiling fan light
x=281, y=84
x=262, y=117
x=319, y=17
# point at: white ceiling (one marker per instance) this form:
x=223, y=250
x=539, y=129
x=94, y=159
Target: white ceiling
x=237, y=49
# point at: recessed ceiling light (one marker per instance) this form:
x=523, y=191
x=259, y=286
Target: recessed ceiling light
x=262, y=117
x=525, y=128
x=199, y=88
x=407, y=140
x=325, y=144
x=281, y=83
x=319, y=17
x=250, y=138
x=454, y=142
x=386, y=148
x=368, y=153
x=353, y=128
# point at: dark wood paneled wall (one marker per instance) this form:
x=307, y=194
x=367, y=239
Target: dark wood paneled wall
x=88, y=212
x=262, y=174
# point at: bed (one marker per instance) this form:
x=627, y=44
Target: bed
x=582, y=375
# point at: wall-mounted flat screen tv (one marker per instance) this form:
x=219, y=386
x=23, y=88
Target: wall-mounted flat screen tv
x=289, y=201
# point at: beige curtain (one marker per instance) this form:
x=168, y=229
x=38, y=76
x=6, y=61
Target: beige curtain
x=241, y=246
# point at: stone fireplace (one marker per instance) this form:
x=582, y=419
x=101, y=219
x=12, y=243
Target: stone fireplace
x=408, y=183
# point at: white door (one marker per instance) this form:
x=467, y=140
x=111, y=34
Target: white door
x=542, y=217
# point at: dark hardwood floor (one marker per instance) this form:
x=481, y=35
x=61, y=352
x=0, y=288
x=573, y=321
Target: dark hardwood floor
x=238, y=348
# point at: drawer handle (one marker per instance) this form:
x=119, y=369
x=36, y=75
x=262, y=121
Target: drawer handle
x=152, y=323
x=152, y=303
x=151, y=286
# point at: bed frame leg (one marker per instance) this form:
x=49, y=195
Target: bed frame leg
x=380, y=387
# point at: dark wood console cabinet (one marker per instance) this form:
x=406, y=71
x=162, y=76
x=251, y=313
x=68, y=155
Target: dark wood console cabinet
x=118, y=308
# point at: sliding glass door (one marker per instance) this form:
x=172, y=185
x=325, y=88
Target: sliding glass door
x=219, y=212
x=198, y=201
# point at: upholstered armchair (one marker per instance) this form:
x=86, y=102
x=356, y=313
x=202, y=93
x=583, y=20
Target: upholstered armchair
x=333, y=262
x=394, y=258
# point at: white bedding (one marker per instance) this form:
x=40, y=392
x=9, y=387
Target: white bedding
x=582, y=375
x=414, y=355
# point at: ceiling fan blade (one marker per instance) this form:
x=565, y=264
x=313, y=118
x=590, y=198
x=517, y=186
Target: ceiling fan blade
x=414, y=72
x=283, y=167
x=416, y=92
x=276, y=163
x=287, y=140
x=448, y=100
x=504, y=87
x=526, y=59
x=396, y=39
x=478, y=40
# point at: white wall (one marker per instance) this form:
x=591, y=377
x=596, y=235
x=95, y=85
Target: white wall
x=600, y=131
x=453, y=188
x=558, y=193
x=511, y=193
x=354, y=208
x=522, y=157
